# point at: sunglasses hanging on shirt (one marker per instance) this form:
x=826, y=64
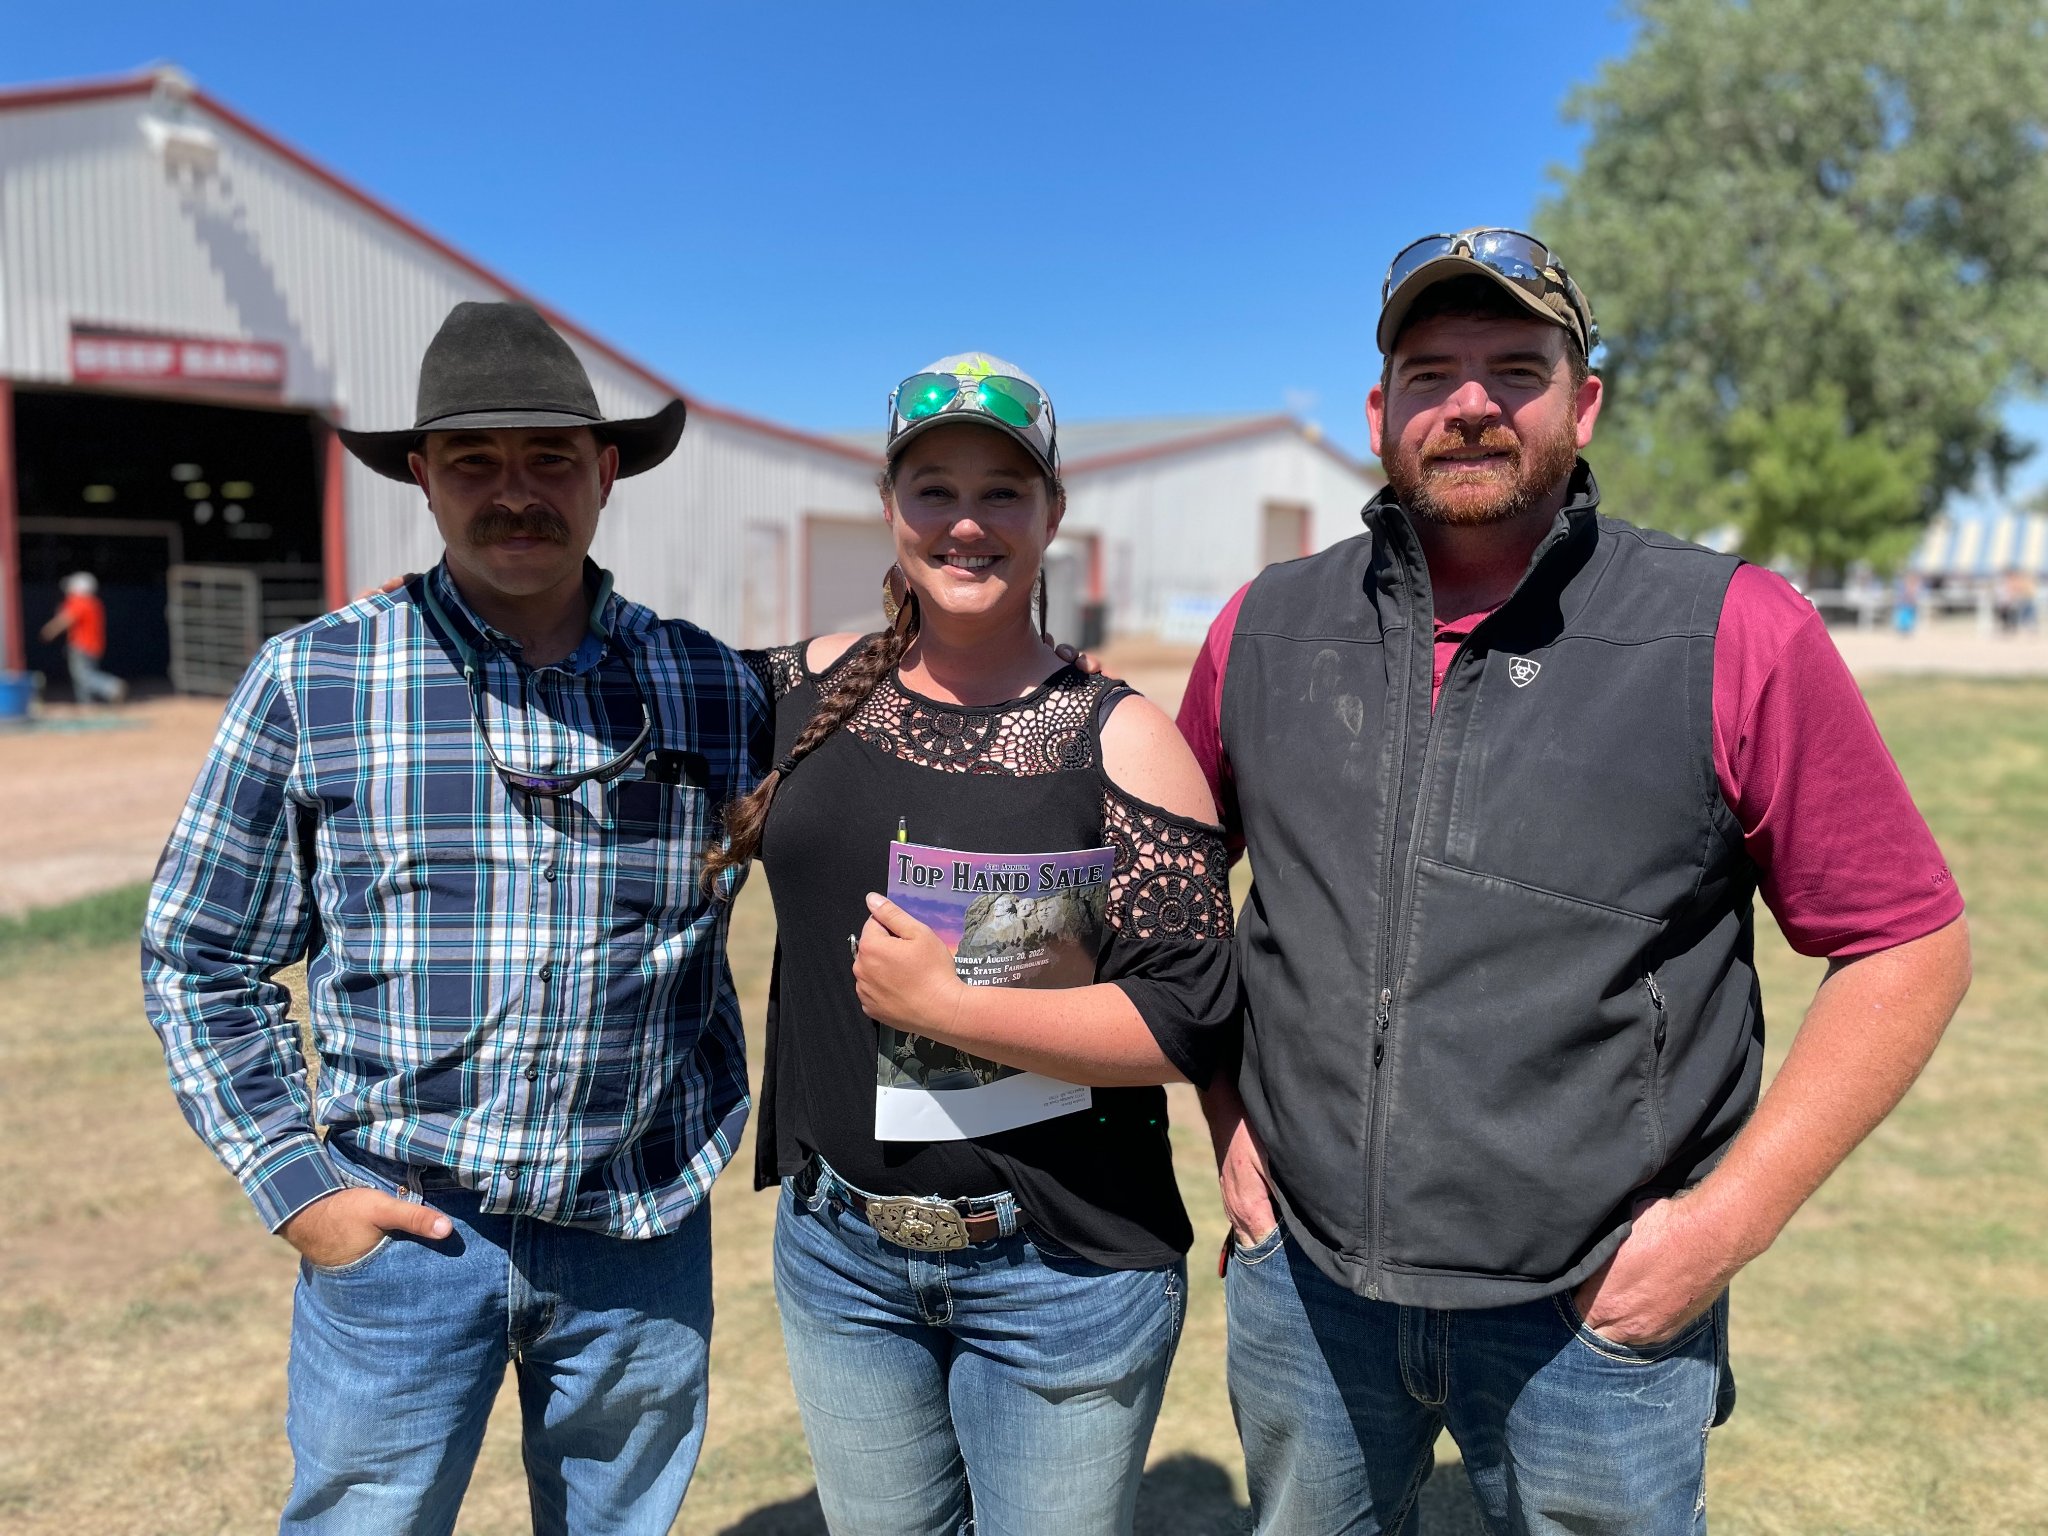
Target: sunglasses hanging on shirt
x=526, y=780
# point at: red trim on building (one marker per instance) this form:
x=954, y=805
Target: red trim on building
x=65, y=92
x=13, y=639
x=334, y=521
x=142, y=85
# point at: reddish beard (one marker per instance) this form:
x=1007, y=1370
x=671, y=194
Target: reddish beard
x=1440, y=490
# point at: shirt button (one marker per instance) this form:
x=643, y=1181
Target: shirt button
x=548, y=873
x=547, y=971
x=532, y=1073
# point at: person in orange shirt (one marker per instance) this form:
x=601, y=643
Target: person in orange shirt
x=82, y=620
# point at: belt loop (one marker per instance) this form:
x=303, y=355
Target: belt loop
x=1006, y=1214
x=827, y=1183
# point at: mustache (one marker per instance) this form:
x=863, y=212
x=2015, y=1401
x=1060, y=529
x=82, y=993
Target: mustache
x=497, y=525
x=1494, y=439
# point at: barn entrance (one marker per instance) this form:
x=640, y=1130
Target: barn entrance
x=128, y=487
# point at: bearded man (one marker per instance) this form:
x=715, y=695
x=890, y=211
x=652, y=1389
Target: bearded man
x=1510, y=775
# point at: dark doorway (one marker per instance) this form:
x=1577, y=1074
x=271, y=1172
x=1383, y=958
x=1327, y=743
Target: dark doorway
x=125, y=486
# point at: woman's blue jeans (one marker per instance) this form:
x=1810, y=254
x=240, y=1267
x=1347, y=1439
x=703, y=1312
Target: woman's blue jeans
x=397, y=1358
x=1339, y=1401
x=1010, y=1382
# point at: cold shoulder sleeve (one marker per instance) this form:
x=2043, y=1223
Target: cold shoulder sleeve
x=1168, y=944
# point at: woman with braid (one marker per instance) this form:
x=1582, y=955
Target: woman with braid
x=980, y=1251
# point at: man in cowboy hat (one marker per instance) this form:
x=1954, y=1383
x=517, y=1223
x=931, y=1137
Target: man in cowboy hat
x=475, y=806
x=1510, y=775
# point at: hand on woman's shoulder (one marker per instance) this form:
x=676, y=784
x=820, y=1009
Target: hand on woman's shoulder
x=1145, y=757
x=822, y=651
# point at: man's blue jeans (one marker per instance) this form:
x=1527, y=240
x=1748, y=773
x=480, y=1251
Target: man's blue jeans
x=1339, y=1400
x=90, y=683
x=396, y=1359
x=1010, y=1366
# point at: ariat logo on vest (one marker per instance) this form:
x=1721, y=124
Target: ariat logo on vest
x=1522, y=671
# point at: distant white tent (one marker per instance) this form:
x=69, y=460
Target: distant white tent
x=1984, y=546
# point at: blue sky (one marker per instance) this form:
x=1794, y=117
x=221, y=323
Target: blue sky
x=1155, y=208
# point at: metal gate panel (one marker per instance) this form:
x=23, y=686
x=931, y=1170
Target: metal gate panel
x=216, y=620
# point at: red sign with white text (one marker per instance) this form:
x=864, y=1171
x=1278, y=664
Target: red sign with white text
x=102, y=355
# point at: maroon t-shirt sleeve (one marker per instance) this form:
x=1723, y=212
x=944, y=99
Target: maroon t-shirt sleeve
x=1201, y=718
x=1849, y=866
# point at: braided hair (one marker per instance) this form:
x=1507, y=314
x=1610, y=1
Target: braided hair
x=746, y=818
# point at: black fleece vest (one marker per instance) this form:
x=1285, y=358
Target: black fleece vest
x=1497, y=958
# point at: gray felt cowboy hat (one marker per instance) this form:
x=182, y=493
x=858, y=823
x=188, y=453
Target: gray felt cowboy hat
x=502, y=365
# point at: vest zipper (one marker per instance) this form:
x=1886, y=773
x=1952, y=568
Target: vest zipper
x=1375, y=1131
x=1377, y=1121
x=1654, y=1088
x=1373, y=1116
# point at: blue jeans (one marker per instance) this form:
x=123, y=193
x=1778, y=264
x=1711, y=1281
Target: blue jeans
x=1007, y=1388
x=396, y=1358
x=1339, y=1400
x=90, y=683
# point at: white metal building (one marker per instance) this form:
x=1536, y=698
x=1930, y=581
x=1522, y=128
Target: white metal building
x=185, y=305
x=1173, y=516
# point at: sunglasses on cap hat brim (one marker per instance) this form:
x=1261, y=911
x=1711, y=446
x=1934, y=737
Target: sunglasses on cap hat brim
x=1518, y=262
x=1016, y=406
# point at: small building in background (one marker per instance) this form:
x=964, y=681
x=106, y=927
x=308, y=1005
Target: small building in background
x=1172, y=516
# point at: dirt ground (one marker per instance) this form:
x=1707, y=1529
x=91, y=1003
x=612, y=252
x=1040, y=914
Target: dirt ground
x=88, y=797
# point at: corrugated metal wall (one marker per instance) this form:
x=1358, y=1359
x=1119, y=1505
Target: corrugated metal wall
x=1187, y=526
x=95, y=227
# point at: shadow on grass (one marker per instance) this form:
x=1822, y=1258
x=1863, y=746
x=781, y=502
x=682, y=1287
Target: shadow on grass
x=1183, y=1496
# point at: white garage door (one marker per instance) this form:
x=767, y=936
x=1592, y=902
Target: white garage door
x=844, y=560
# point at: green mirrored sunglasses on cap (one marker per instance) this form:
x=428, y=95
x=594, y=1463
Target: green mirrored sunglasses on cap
x=1010, y=400
x=975, y=384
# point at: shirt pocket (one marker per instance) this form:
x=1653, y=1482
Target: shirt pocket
x=659, y=834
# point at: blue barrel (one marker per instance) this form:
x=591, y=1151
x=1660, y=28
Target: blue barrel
x=17, y=689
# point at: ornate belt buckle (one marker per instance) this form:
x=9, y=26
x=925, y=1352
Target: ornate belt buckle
x=928, y=1226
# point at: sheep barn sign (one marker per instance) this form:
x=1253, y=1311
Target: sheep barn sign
x=108, y=355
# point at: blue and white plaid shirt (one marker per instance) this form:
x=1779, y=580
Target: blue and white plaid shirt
x=527, y=993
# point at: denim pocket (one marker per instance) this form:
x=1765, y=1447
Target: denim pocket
x=361, y=1262
x=1263, y=1249
x=1048, y=1247
x=1629, y=1354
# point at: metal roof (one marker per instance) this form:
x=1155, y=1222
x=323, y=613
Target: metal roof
x=1984, y=546
x=1093, y=445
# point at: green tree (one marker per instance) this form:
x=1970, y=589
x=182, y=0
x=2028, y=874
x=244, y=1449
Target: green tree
x=1796, y=210
x=1817, y=490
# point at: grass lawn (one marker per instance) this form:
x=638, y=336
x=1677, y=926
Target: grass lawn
x=1892, y=1350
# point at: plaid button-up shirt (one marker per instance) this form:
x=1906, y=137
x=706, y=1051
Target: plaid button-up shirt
x=527, y=993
